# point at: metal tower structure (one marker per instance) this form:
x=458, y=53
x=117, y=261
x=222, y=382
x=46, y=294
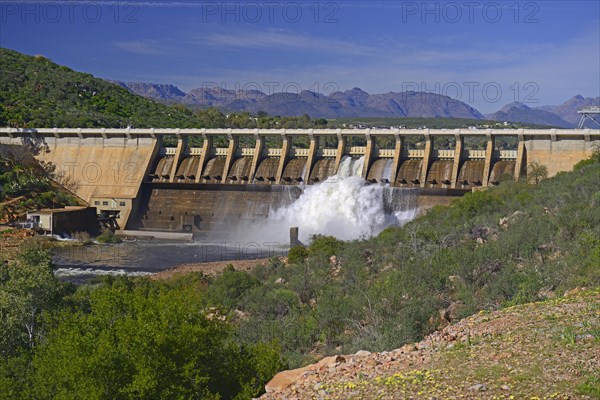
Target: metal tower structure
x=592, y=113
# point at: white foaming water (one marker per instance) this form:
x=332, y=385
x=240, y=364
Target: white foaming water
x=348, y=167
x=344, y=206
x=73, y=272
x=387, y=170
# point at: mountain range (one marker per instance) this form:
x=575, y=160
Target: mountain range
x=358, y=103
x=563, y=116
x=522, y=113
x=350, y=103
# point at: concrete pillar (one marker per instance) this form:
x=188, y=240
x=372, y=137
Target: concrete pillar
x=233, y=144
x=368, y=155
x=489, y=154
x=285, y=151
x=158, y=143
x=457, y=160
x=520, y=157
x=340, y=151
x=206, y=149
x=397, y=158
x=426, y=159
x=258, y=149
x=179, y=152
x=294, y=237
x=312, y=152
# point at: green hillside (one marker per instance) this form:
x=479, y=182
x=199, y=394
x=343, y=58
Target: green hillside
x=35, y=92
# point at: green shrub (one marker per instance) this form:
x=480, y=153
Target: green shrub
x=273, y=303
x=590, y=387
x=325, y=245
x=388, y=234
x=108, y=237
x=229, y=288
x=297, y=254
x=474, y=203
x=27, y=290
x=593, y=159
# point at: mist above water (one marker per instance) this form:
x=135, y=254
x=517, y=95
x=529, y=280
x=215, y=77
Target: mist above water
x=344, y=206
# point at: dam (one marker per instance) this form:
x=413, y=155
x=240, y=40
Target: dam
x=210, y=180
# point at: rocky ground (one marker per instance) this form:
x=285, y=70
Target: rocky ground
x=546, y=350
x=209, y=268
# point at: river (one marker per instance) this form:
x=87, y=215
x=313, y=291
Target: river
x=79, y=264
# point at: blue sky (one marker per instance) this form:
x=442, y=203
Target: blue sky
x=485, y=53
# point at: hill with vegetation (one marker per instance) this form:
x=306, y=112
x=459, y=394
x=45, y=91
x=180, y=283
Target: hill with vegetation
x=528, y=351
x=35, y=92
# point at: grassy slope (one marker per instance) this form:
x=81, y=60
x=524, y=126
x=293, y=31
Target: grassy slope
x=544, y=350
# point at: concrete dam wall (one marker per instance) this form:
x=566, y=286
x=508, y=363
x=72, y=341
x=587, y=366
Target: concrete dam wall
x=133, y=175
x=105, y=172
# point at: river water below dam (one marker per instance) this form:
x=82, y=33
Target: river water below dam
x=79, y=264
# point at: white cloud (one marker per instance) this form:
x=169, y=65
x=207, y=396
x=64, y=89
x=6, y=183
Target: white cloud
x=144, y=47
x=280, y=40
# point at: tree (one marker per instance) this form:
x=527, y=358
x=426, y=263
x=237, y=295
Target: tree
x=297, y=254
x=536, y=172
x=27, y=289
x=211, y=118
x=145, y=341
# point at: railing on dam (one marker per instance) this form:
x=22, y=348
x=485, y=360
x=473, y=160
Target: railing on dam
x=152, y=132
x=195, y=151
